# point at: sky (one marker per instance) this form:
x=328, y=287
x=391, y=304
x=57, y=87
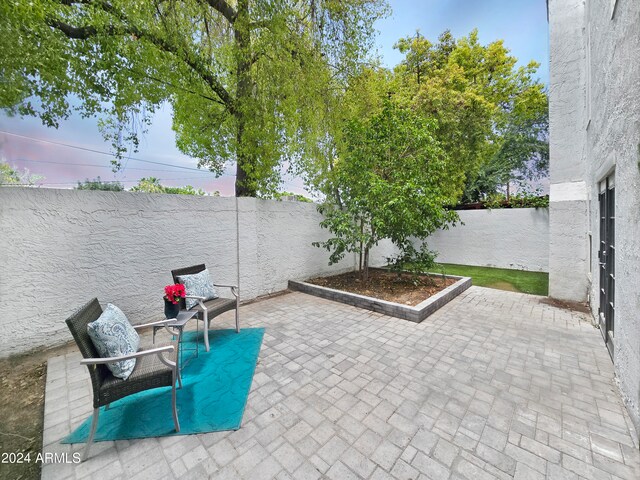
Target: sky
x=26, y=143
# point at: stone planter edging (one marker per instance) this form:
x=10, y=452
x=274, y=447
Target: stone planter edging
x=414, y=314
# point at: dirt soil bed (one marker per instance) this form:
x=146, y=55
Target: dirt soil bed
x=22, y=383
x=385, y=285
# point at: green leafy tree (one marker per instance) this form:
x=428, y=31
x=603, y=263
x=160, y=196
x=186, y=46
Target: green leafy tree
x=98, y=184
x=392, y=181
x=414, y=138
x=153, y=185
x=523, y=155
x=19, y=177
x=8, y=176
x=490, y=114
x=361, y=99
x=246, y=79
x=290, y=195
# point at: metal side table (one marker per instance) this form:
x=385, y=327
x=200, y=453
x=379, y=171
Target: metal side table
x=176, y=328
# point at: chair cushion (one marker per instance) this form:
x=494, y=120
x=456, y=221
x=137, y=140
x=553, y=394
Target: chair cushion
x=200, y=285
x=113, y=336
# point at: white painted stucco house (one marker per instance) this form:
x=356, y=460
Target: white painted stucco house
x=594, y=231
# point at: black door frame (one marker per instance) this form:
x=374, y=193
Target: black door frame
x=606, y=256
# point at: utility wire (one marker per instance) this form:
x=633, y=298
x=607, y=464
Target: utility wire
x=38, y=183
x=286, y=184
x=101, y=152
x=106, y=166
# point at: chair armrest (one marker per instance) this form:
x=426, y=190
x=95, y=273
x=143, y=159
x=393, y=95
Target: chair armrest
x=98, y=361
x=234, y=288
x=200, y=301
x=159, y=323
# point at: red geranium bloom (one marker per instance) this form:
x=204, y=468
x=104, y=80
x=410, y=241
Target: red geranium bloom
x=174, y=293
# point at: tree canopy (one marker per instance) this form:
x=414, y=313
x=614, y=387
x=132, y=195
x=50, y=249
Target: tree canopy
x=153, y=185
x=492, y=116
x=247, y=80
x=392, y=181
x=98, y=184
x=413, y=140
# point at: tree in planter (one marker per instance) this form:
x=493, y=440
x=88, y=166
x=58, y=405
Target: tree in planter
x=392, y=181
x=246, y=79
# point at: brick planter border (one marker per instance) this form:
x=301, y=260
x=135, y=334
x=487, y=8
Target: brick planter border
x=414, y=314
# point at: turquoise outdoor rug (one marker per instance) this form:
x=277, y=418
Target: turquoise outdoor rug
x=213, y=396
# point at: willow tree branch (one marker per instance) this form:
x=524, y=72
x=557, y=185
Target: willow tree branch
x=197, y=65
x=224, y=8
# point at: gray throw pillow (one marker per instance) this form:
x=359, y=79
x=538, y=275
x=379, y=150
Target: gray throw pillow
x=113, y=336
x=199, y=285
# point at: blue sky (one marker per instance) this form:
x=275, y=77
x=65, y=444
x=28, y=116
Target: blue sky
x=522, y=24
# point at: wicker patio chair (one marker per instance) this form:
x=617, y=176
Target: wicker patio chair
x=153, y=369
x=209, y=309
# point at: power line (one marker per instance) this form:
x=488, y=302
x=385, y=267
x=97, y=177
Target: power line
x=101, y=166
x=61, y=144
x=286, y=184
x=37, y=183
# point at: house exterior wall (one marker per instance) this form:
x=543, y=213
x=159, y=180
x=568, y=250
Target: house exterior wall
x=568, y=247
x=609, y=144
x=515, y=238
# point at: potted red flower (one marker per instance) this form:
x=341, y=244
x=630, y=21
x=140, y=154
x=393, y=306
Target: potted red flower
x=172, y=296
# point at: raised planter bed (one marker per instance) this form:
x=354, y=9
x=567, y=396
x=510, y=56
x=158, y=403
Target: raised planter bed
x=414, y=314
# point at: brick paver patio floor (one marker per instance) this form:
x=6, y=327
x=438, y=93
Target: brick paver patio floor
x=494, y=385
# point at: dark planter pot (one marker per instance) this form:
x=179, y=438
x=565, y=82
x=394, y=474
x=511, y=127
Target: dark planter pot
x=171, y=310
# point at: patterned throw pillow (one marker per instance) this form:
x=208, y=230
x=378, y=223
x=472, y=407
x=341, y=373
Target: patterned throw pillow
x=199, y=285
x=113, y=336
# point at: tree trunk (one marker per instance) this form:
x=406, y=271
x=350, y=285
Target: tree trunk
x=245, y=185
x=365, y=270
x=361, y=232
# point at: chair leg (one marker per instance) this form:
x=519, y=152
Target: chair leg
x=206, y=331
x=176, y=423
x=94, y=425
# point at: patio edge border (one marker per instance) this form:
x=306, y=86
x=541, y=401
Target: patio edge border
x=414, y=314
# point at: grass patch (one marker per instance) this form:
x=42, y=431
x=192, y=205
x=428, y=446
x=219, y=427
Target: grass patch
x=536, y=283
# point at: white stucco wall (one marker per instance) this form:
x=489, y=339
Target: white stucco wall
x=505, y=238
x=613, y=147
x=568, y=220
x=59, y=248
x=595, y=133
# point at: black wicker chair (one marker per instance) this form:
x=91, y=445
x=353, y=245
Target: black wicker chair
x=209, y=309
x=153, y=369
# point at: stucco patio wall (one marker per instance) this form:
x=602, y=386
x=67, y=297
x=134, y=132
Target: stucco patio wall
x=506, y=238
x=60, y=248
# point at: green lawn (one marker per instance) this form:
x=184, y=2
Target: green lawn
x=536, y=283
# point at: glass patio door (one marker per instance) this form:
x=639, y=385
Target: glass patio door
x=606, y=255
